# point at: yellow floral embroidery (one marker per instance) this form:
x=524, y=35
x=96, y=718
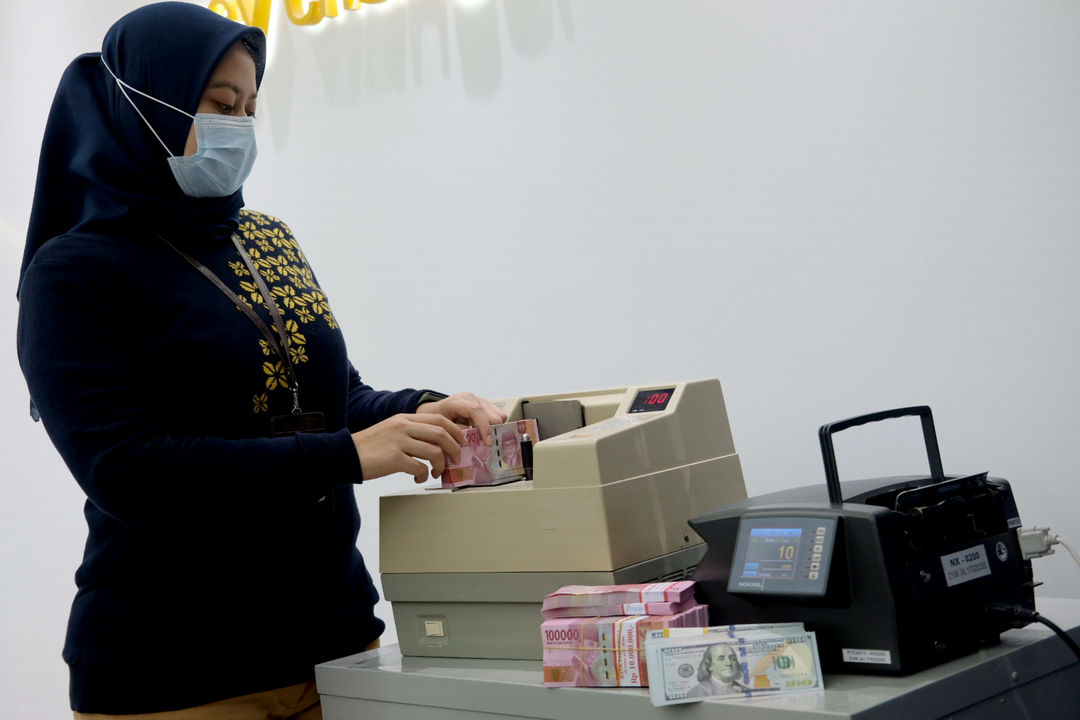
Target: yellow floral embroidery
x=295, y=336
x=277, y=236
x=279, y=260
x=317, y=301
x=253, y=292
x=276, y=375
x=285, y=294
x=269, y=267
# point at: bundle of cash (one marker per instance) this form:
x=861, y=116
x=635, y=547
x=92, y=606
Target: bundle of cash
x=605, y=651
x=637, y=608
x=731, y=662
x=732, y=631
x=601, y=596
x=483, y=464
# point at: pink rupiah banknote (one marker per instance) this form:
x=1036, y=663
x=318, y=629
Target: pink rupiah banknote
x=679, y=591
x=483, y=464
x=605, y=651
x=634, y=608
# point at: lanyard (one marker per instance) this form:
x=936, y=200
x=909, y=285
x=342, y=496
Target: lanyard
x=279, y=344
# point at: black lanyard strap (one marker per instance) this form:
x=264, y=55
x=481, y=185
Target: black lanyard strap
x=279, y=344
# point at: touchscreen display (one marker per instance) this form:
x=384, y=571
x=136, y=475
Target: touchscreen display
x=782, y=555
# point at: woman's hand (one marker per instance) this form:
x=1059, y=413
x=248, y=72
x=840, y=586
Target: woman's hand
x=467, y=409
x=400, y=443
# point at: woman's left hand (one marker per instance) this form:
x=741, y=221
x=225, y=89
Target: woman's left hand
x=467, y=409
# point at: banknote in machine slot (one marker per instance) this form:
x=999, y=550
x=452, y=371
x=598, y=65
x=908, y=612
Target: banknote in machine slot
x=505, y=459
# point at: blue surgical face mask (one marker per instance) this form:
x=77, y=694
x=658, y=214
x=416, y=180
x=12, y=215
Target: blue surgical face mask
x=225, y=150
x=223, y=158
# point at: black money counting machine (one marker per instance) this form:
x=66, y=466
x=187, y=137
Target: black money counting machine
x=893, y=574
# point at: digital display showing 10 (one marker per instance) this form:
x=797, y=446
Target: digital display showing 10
x=772, y=552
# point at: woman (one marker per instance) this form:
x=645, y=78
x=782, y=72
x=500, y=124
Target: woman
x=190, y=372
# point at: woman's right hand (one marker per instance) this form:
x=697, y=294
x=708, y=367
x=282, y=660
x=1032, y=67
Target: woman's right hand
x=400, y=444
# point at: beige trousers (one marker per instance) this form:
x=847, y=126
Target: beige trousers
x=295, y=702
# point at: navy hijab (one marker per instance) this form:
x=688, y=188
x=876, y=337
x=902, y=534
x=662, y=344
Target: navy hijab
x=101, y=170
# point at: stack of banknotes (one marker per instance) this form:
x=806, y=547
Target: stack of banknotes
x=665, y=598
x=693, y=664
x=501, y=461
x=594, y=636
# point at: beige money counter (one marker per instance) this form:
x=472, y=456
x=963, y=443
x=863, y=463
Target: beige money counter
x=617, y=475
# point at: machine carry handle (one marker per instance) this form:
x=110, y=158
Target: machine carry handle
x=825, y=434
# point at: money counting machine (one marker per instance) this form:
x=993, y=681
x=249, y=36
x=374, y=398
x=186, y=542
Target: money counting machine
x=894, y=575
x=617, y=474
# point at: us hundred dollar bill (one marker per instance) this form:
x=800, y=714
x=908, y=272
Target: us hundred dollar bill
x=732, y=631
x=689, y=669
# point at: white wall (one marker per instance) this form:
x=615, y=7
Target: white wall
x=834, y=207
